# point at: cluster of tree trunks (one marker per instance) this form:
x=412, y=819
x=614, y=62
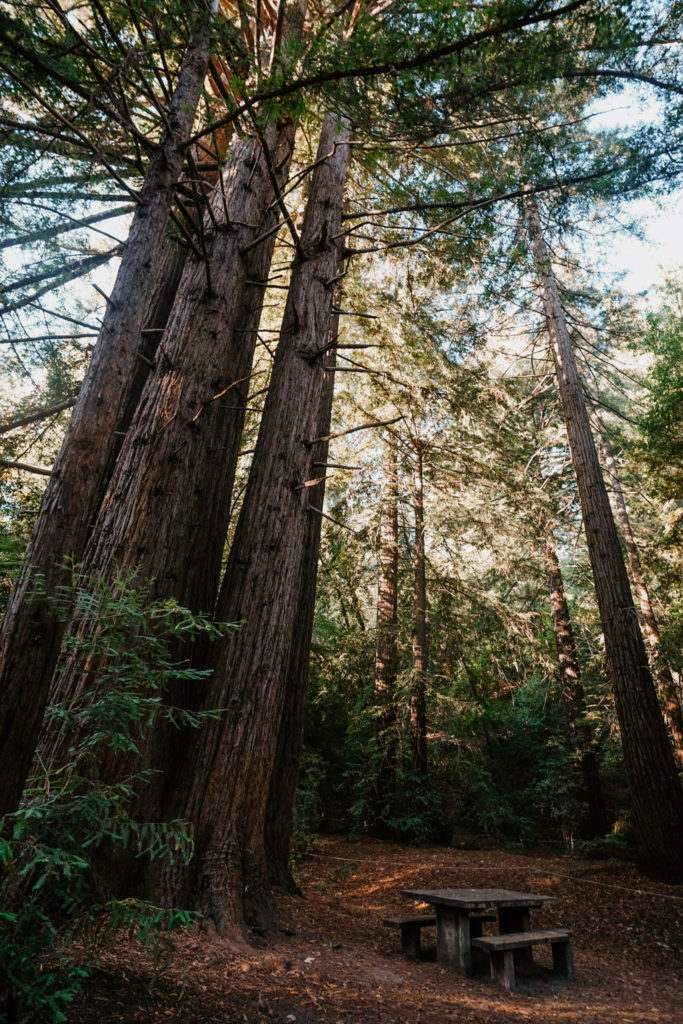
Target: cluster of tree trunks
x=224, y=783
x=31, y=630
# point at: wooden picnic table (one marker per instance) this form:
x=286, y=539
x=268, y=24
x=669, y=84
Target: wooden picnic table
x=453, y=907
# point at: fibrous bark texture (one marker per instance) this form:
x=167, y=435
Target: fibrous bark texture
x=418, y=692
x=573, y=698
x=31, y=631
x=229, y=770
x=673, y=714
x=166, y=510
x=285, y=775
x=167, y=506
x=386, y=657
x=656, y=795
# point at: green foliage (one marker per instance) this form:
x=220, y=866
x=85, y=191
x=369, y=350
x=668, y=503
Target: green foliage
x=518, y=786
x=307, y=806
x=71, y=819
x=662, y=424
x=619, y=843
x=387, y=795
x=12, y=546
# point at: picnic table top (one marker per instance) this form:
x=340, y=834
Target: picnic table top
x=475, y=899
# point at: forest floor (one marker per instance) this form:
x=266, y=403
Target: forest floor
x=335, y=963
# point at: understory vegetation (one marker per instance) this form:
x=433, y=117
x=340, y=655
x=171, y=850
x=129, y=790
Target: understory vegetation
x=58, y=908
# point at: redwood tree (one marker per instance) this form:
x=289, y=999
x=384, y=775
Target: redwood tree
x=573, y=697
x=386, y=653
x=656, y=795
x=228, y=771
x=673, y=714
x=285, y=774
x=166, y=510
x=418, y=710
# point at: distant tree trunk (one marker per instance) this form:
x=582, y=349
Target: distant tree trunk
x=285, y=776
x=573, y=698
x=418, y=710
x=662, y=673
x=31, y=632
x=386, y=657
x=656, y=795
x=386, y=639
x=230, y=767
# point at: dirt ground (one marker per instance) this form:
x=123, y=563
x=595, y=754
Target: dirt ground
x=335, y=963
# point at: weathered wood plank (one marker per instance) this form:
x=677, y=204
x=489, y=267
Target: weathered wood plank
x=517, y=940
x=411, y=928
x=502, y=950
x=401, y=922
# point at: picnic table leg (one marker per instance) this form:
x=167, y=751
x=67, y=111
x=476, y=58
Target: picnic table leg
x=563, y=961
x=503, y=968
x=517, y=919
x=453, y=938
x=410, y=941
x=479, y=958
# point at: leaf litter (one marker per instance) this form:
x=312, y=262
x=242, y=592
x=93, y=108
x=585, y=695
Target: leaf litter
x=335, y=963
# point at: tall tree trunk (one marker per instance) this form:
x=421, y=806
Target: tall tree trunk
x=285, y=775
x=31, y=632
x=386, y=656
x=386, y=639
x=656, y=795
x=573, y=698
x=167, y=507
x=168, y=274
x=673, y=714
x=418, y=709
x=230, y=767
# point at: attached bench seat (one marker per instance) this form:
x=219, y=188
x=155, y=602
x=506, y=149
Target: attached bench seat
x=411, y=928
x=501, y=950
x=410, y=932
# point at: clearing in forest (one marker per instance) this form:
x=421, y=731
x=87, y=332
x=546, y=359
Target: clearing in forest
x=335, y=963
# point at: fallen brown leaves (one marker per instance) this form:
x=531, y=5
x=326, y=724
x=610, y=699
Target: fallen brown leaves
x=342, y=967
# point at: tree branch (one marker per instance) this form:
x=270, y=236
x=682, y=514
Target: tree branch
x=42, y=414
x=60, y=229
x=41, y=470
x=352, y=430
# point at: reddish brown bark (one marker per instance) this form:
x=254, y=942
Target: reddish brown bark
x=31, y=632
x=573, y=698
x=673, y=714
x=285, y=775
x=656, y=795
x=166, y=509
x=386, y=656
x=418, y=707
x=231, y=762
